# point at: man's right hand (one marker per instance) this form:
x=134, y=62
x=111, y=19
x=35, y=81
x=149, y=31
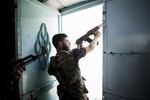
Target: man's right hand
x=80, y=45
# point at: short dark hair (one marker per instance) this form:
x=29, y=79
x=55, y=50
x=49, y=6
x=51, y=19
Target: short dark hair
x=57, y=38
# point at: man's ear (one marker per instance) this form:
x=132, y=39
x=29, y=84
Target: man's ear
x=60, y=44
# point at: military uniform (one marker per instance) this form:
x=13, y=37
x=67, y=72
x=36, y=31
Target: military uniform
x=64, y=66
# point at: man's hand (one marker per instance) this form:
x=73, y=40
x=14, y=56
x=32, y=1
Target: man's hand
x=16, y=72
x=80, y=45
x=97, y=34
x=94, y=42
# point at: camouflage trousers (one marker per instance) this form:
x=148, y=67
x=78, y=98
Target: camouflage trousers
x=66, y=96
x=74, y=92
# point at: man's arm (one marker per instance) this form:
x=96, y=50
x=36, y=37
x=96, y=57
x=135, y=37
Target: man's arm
x=92, y=45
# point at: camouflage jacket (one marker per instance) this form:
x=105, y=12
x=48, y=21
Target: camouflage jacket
x=64, y=66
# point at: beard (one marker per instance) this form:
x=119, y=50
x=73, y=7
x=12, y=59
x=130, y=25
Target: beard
x=65, y=47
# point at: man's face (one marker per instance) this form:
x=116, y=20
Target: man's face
x=66, y=44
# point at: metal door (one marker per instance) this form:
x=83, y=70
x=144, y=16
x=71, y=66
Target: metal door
x=36, y=23
x=126, y=50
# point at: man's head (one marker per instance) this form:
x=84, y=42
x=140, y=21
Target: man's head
x=61, y=42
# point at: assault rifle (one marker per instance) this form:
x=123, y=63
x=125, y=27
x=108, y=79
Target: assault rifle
x=86, y=36
x=27, y=60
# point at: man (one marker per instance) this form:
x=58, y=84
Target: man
x=64, y=66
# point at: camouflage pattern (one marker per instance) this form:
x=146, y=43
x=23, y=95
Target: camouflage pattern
x=67, y=72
